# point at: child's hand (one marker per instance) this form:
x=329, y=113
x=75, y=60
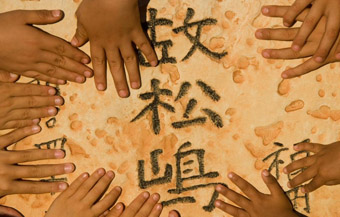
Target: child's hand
x=23, y=104
x=256, y=204
x=288, y=34
x=83, y=196
x=330, y=9
x=114, y=30
x=13, y=175
x=27, y=50
x=323, y=168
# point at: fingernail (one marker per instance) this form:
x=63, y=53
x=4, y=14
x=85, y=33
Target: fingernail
x=337, y=56
x=303, y=190
x=59, y=154
x=62, y=186
x=69, y=168
x=74, y=41
x=52, y=111
x=56, y=13
x=289, y=185
x=259, y=34
x=218, y=203
x=155, y=197
x=296, y=47
x=119, y=206
x=58, y=101
x=230, y=175
x=85, y=175
x=101, y=171
x=100, y=87
x=88, y=74
x=146, y=195
x=85, y=60
x=61, y=82
x=13, y=75
x=265, y=173
x=52, y=91
x=135, y=85
x=319, y=59
x=153, y=63
x=80, y=79
x=286, y=24
x=119, y=189
x=110, y=174
x=284, y=75
x=35, y=129
x=265, y=10
x=36, y=121
x=159, y=207
x=285, y=170
x=218, y=188
x=123, y=93
x=266, y=54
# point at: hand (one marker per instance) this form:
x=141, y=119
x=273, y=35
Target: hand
x=82, y=198
x=13, y=175
x=323, y=168
x=330, y=9
x=23, y=104
x=256, y=204
x=113, y=28
x=27, y=50
x=288, y=34
x=9, y=212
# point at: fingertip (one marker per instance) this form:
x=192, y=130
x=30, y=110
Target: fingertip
x=289, y=185
x=57, y=13
x=266, y=54
x=62, y=186
x=36, y=129
x=59, y=154
x=100, y=87
x=74, y=41
x=265, y=173
x=285, y=171
x=259, y=34
x=154, y=63
x=231, y=175
x=296, y=47
x=123, y=93
x=265, y=10
x=52, y=91
x=285, y=75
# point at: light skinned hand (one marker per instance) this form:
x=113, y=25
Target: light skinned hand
x=27, y=50
x=255, y=203
x=23, y=105
x=114, y=30
x=288, y=34
x=322, y=168
x=13, y=178
x=330, y=10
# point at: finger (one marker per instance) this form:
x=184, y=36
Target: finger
x=329, y=38
x=131, y=63
x=41, y=171
x=63, y=48
x=17, y=135
x=279, y=11
x=304, y=68
x=272, y=184
x=89, y=184
x=236, y=198
x=30, y=90
x=20, y=124
x=9, y=212
x=66, y=63
x=59, y=73
x=36, y=187
x=307, y=28
x=76, y=184
x=244, y=186
x=144, y=45
x=299, y=164
x=316, y=183
x=293, y=11
x=80, y=38
x=8, y=77
x=230, y=209
x=39, y=17
x=15, y=157
x=99, y=66
x=312, y=147
x=156, y=211
x=42, y=77
x=35, y=101
x=108, y=201
x=116, y=211
x=118, y=72
x=99, y=189
x=277, y=34
x=302, y=177
x=32, y=113
x=136, y=204
x=174, y=213
x=148, y=206
x=288, y=53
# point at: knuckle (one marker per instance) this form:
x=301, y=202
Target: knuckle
x=60, y=49
x=309, y=22
x=60, y=61
x=130, y=58
x=98, y=61
x=26, y=114
x=31, y=102
x=80, y=33
x=332, y=33
x=114, y=63
x=51, y=71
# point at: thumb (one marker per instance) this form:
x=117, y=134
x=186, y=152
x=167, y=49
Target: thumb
x=80, y=38
x=9, y=212
x=272, y=184
x=41, y=17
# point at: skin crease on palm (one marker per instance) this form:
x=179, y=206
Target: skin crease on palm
x=41, y=55
x=288, y=34
x=113, y=41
